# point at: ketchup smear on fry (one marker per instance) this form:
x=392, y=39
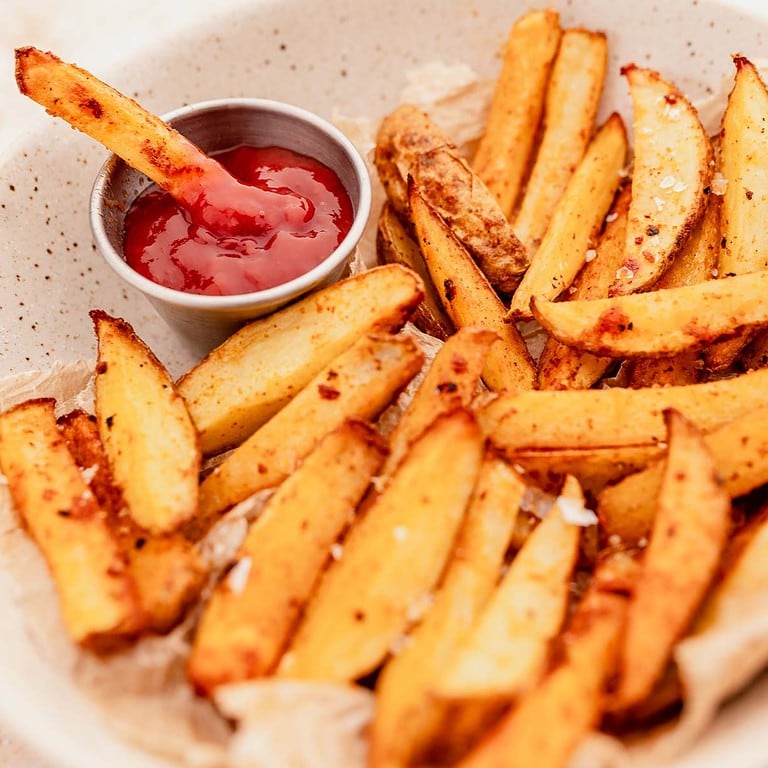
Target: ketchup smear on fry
x=306, y=215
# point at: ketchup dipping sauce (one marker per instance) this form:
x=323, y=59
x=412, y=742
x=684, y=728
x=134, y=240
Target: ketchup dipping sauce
x=311, y=211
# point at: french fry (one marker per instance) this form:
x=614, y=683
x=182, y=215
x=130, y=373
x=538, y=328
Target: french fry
x=571, y=106
x=469, y=299
x=561, y=366
x=672, y=166
x=392, y=560
x=167, y=570
x=740, y=451
x=408, y=718
x=249, y=617
x=691, y=526
x=147, y=433
x=358, y=384
x=615, y=416
x=576, y=219
x=450, y=382
x=743, y=154
x=506, y=651
x=658, y=323
x=594, y=468
x=145, y=142
x=409, y=144
x=395, y=246
x=97, y=596
x=254, y=373
x=571, y=695
x=696, y=263
x=507, y=144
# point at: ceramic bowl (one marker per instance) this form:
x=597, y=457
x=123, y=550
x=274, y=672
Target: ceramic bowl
x=203, y=321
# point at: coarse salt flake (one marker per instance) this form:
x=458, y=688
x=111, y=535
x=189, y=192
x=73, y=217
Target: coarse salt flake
x=237, y=578
x=659, y=203
x=719, y=184
x=400, y=533
x=667, y=182
x=88, y=473
x=590, y=255
x=337, y=551
x=574, y=512
x=623, y=273
x=611, y=217
x=715, y=272
x=680, y=186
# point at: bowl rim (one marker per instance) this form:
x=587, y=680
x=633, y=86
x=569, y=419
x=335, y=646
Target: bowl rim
x=277, y=293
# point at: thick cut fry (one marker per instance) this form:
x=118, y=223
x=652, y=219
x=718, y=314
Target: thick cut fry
x=691, y=527
x=408, y=719
x=146, y=429
x=248, y=619
x=615, y=416
x=469, y=299
x=167, y=570
x=696, y=263
x=659, y=323
x=254, y=373
x=358, y=384
x=672, y=166
x=561, y=366
x=576, y=220
x=594, y=468
x=451, y=382
x=392, y=560
x=395, y=246
x=743, y=158
x=571, y=105
x=211, y=195
x=506, y=652
x=740, y=451
x=506, y=146
x=570, y=697
x=97, y=596
x=410, y=145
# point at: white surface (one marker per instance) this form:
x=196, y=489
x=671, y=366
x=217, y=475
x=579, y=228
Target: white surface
x=98, y=34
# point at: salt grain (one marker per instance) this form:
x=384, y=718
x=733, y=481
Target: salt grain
x=590, y=255
x=659, y=203
x=624, y=273
x=237, y=578
x=680, y=186
x=667, y=182
x=611, y=217
x=337, y=551
x=574, y=512
x=400, y=533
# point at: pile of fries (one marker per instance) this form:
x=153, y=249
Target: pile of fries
x=454, y=564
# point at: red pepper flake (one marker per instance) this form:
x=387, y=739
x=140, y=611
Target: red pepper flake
x=328, y=393
x=670, y=98
x=450, y=289
x=447, y=386
x=101, y=367
x=651, y=231
x=639, y=240
x=748, y=193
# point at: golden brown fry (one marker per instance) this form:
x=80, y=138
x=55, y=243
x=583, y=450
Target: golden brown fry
x=469, y=299
x=254, y=373
x=576, y=220
x=744, y=153
x=146, y=429
x=408, y=719
x=450, y=382
x=571, y=696
x=167, y=570
x=615, y=416
x=97, y=596
x=691, y=526
x=506, y=651
x=572, y=99
x=395, y=246
x=249, y=618
x=561, y=366
x=740, y=451
x=594, y=468
x=142, y=139
x=392, y=560
x=358, y=384
x=659, y=323
x=410, y=145
x=506, y=146
x=672, y=166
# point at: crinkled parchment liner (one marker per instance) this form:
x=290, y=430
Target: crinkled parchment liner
x=142, y=693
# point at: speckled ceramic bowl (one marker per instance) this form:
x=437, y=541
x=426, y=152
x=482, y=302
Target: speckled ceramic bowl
x=201, y=322
x=333, y=57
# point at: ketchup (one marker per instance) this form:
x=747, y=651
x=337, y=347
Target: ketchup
x=306, y=214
